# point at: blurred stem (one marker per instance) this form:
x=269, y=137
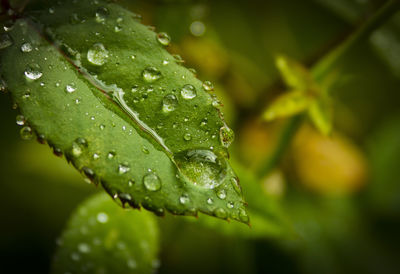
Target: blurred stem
x=284, y=140
x=320, y=69
x=324, y=65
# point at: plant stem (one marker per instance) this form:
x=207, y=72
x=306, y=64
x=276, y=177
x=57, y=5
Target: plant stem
x=284, y=140
x=320, y=69
x=325, y=64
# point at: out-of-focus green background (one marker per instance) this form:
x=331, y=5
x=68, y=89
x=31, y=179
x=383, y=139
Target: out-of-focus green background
x=341, y=194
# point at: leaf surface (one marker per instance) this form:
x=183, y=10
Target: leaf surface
x=104, y=238
x=101, y=88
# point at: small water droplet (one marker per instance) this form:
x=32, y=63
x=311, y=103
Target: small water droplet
x=235, y=185
x=111, y=155
x=5, y=41
x=151, y=181
x=243, y=216
x=97, y=54
x=70, y=88
x=169, y=103
x=151, y=74
x=78, y=146
x=208, y=86
x=210, y=201
x=135, y=88
x=192, y=70
x=163, y=38
x=102, y=217
x=178, y=59
x=117, y=28
x=125, y=196
x=74, y=19
x=96, y=156
x=230, y=205
x=26, y=47
x=33, y=72
x=188, y=92
x=184, y=199
x=220, y=213
x=131, y=182
x=221, y=193
x=145, y=150
x=226, y=136
x=187, y=137
x=101, y=14
x=51, y=10
x=20, y=120
x=26, y=133
x=3, y=86
x=165, y=62
x=123, y=168
x=102, y=127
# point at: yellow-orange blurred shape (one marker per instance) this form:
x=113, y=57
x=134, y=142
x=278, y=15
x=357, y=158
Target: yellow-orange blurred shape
x=328, y=164
x=208, y=56
x=256, y=139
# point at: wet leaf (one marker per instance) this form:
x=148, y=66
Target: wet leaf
x=103, y=238
x=100, y=88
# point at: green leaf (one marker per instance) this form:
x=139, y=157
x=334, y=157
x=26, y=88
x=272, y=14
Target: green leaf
x=320, y=113
x=293, y=73
x=103, y=238
x=288, y=104
x=101, y=88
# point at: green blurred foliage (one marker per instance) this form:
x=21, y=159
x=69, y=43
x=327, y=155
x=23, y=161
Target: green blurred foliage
x=294, y=229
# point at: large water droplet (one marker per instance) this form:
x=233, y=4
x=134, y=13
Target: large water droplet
x=226, y=136
x=5, y=41
x=33, y=72
x=163, y=38
x=188, y=92
x=201, y=167
x=26, y=47
x=169, y=103
x=97, y=54
x=151, y=74
x=151, y=181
